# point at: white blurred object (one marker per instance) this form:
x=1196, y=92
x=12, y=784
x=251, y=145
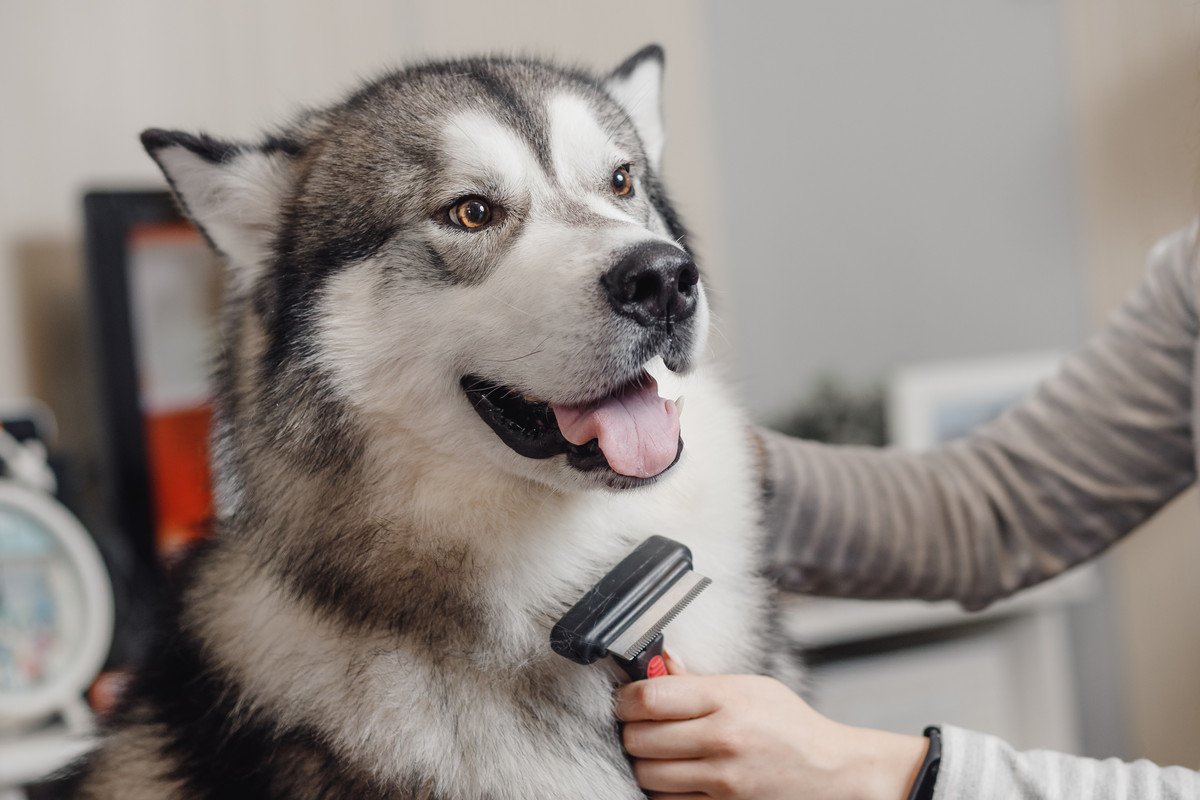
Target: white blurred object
x=1010, y=670
x=829, y=622
x=56, y=621
x=26, y=463
x=938, y=401
x=1012, y=680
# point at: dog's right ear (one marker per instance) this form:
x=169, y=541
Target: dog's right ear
x=637, y=86
x=233, y=192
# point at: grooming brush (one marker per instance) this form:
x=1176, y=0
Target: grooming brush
x=624, y=614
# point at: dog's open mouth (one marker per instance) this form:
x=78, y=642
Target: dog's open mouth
x=632, y=431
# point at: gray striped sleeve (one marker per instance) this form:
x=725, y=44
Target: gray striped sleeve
x=982, y=767
x=1091, y=454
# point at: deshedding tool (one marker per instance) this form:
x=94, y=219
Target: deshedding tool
x=624, y=614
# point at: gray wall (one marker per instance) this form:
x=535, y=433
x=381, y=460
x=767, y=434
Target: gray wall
x=898, y=183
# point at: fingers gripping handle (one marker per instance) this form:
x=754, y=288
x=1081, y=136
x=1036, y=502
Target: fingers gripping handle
x=647, y=664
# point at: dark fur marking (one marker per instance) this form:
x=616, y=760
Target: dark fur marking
x=526, y=120
x=221, y=751
x=435, y=259
x=282, y=144
x=300, y=399
x=422, y=594
x=156, y=139
x=650, y=51
x=313, y=243
x=65, y=786
x=214, y=151
x=762, y=467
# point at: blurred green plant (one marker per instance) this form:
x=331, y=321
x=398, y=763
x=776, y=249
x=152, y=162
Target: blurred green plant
x=834, y=412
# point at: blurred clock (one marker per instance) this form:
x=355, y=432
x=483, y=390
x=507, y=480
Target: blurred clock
x=56, y=621
x=56, y=607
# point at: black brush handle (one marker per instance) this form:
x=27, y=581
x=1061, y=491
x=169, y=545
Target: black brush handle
x=586, y=633
x=647, y=664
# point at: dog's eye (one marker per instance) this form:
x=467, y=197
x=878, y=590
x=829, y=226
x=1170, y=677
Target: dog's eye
x=622, y=181
x=471, y=213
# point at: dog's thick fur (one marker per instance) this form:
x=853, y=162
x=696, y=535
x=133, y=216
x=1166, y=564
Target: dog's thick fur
x=372, y=618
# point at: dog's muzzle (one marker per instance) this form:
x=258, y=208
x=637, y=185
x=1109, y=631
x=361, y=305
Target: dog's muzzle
x=655, y=284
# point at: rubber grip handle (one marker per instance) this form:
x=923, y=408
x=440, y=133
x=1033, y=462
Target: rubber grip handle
x=647, y=664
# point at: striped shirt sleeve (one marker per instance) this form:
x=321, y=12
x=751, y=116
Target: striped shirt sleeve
x=1091, y=454
x=982, y=767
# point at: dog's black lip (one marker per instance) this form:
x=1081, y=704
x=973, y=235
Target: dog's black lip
x=530, y=429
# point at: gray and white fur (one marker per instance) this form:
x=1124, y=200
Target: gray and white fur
x=372, y=617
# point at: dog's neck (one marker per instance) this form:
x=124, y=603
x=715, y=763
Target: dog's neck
x=409, y=530
x=457, y=498
x=408, y=620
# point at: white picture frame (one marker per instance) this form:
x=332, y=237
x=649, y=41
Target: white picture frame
x=934, y=402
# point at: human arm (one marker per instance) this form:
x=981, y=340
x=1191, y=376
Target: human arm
x=735, y=737
x=745, y=736
x=1094, y=452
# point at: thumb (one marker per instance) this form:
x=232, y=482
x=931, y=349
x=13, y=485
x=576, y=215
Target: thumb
x=674, y=663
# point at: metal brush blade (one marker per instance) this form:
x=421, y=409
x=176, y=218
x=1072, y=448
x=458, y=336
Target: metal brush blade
x=651, y=623
x=624, y=613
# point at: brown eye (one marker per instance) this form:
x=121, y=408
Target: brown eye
x=471, y=213
x=622, y=181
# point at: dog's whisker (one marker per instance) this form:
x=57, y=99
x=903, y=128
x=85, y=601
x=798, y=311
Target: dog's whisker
x=518, y=358
x=517, y=308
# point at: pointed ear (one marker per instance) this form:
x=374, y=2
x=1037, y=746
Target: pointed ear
x=637, y=86
x=233, y=192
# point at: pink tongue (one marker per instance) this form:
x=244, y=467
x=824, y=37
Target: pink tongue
x=638, y=431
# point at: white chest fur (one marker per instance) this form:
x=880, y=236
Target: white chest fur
x=505, y=717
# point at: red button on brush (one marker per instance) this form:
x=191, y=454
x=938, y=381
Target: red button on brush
x=656, y=668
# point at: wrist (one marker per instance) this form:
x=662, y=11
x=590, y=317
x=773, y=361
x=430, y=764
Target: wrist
x=886, y=764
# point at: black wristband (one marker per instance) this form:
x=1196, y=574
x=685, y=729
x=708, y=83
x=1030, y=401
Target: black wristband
x=926, y=780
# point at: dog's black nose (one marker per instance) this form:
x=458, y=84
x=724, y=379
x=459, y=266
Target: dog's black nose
x=654, y=284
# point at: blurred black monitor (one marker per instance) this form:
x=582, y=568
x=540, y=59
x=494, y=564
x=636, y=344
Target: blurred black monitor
x=154, y=285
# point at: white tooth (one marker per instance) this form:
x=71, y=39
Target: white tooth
x=679, y=405
x=655, y=366
x=669, y=383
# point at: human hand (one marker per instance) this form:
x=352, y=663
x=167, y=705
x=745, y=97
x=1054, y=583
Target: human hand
x=735, y=737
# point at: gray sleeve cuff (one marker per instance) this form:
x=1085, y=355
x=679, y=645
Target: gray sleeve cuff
x=982, y=767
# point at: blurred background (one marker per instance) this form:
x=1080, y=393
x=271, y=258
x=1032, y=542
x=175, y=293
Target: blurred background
x=906, y=212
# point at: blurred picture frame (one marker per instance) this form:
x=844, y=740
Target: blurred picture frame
x=934, y=402
x=154, y=290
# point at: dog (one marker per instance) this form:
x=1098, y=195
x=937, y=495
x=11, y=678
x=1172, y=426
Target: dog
x=462, y=373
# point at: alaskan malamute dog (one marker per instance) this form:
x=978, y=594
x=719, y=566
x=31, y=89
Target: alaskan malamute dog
x=461, y=313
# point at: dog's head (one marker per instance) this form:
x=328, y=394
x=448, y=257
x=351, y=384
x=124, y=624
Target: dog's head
x=477, y=255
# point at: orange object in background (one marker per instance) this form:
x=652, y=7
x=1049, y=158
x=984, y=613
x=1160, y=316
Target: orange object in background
x=177, y=450
x=107, y=690
x=174, y=288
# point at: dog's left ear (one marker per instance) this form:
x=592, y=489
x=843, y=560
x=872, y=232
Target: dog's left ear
x=637, y=86
x=233, y=192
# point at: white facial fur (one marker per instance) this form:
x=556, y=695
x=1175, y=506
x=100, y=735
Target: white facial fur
x=485, y=151
x=538, y=322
